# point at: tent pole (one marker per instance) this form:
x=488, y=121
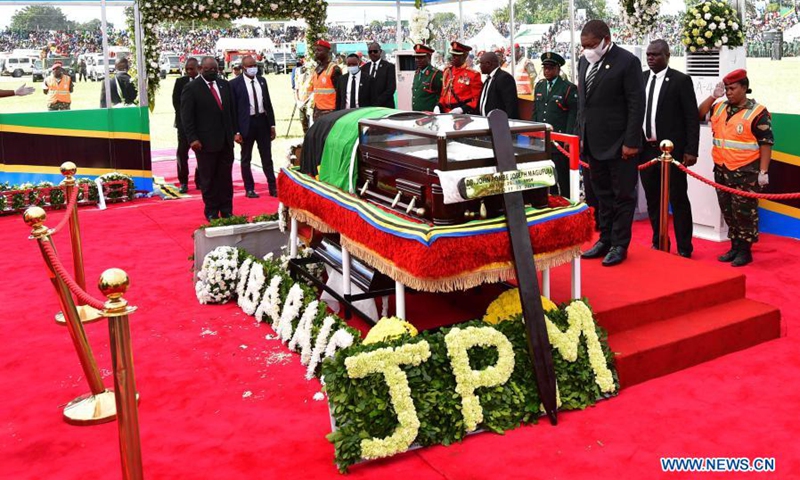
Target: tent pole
x=399, y=34
x=511, y=31
x=141, y=66
x=461, y=21
x=106, y=76
x=572, y=61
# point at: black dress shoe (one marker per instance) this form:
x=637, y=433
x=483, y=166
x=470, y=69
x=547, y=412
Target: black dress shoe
x=225, y=215
x=615, y=256
x=273, y=192
x=184, y=189
x=599, y=249
x=685, y=254
x=251, y=194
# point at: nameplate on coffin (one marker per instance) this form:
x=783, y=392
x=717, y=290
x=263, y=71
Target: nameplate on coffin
x=463, y=185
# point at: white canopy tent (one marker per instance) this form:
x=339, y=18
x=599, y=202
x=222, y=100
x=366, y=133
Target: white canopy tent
x=258, y=44
x=791, y=33
x=566, y=36
x=487, y=38
x=532, y=33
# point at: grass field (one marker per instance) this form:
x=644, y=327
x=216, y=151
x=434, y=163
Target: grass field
x=771, y=82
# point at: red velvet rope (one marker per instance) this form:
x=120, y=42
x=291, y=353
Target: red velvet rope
x=734, y=191
x=84, y=297
x=70, y=205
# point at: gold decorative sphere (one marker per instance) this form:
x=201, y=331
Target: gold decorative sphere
x=667, y=146
x=34, y=216
x=113, y=283
x=68, y=169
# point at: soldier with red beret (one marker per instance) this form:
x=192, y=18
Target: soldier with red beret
x=742, y=150
x=462, y=86
x=322, y=86
x=427, y=86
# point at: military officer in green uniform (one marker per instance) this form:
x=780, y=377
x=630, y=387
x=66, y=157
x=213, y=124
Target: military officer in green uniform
x=555, y=101
x=427, y=86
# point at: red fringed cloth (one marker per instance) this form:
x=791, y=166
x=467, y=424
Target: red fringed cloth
x=434, y=258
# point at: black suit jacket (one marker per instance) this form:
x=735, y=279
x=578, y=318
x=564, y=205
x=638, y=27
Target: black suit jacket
x=240, y=87
x=120, y=85
x=502, y=94
x=676, y=113
x=384, y=84
x=176, y=98
x=366, y=93
x=203, y=120
x=612, y=114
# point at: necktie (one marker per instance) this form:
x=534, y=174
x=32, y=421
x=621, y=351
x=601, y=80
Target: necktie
x=256, y=109
x=374, y=69
x=549, y=87
x=352, y=92
x=590, y=77
x=484, y=94
x=216, y=95
x=648, y=129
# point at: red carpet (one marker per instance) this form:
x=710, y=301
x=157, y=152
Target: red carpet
x=196, y=364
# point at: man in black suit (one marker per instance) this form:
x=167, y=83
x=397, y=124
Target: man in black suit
x=670, y=114
x=256, y=124
x=354, y=89
x=382, y=72
x=209, y=120
x=182, y=154
x=499, y=89
x=123, y=91
x=611, y=112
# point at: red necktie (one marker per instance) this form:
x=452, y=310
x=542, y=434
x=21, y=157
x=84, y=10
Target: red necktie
x=216, y=95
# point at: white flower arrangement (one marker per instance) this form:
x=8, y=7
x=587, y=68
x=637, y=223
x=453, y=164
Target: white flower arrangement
x=340, y=340
x=387, y=361
x=216, y=280
x=291, y=310
x=459, y=341
x=269, y=308
x=639, y=16
x=319, y=346
x=251, y=297
x=301, y=339
x=711, y=25
x=419, y=27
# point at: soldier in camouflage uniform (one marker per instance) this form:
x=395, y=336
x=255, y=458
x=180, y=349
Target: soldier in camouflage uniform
x=742, y=150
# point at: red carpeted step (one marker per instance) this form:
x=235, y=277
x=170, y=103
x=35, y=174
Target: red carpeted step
x=659, y=348
x=650, y=286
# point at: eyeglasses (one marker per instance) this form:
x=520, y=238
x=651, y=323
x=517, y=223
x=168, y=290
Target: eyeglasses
x=373, y=51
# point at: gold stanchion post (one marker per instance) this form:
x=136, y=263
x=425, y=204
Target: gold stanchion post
x=97, y=406
x=114, y=283
x=86, y=313
x=663, y=225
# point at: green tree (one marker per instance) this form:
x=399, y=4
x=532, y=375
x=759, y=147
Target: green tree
x=444, y=18
x=40, y=17
x=92, y=25
x=545, y=11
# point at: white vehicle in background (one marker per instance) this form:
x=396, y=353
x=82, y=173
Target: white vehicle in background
x=169, y=63
x=96, y=68
x=17, y=65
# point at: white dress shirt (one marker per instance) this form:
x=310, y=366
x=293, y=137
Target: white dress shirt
x=350, y=87
x=659, y=82
x=214, y=87
x=373, y=69
x=257, y=104
x=485, y=92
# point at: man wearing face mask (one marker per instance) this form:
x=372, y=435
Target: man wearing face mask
x=611, y=105
x=355, y=88
x=256, y=124
x=383, y=76
x=182, y=154
x=209, y=122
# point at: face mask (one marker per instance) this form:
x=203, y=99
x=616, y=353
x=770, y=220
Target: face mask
x=209, y=76
x=593, y=55
x=251, y=71
x=353, y=70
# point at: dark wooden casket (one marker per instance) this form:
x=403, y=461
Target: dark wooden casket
x=398, y=156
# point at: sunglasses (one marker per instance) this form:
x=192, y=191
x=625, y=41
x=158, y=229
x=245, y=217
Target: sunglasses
x=373, y=51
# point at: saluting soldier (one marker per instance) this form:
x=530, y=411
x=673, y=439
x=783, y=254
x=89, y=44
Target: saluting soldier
x=427, y=86
x=461, y=86
x=555, y=101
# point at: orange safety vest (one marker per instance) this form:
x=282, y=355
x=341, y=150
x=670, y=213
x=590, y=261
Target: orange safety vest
x=523, y=79
x=58, y=91
x=734, y=143
x=323, y=88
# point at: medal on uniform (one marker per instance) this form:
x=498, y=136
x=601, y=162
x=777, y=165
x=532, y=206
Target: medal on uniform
x=739, y=129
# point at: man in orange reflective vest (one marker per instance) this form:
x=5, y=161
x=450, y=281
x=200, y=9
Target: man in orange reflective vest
x=461, y=85
x=741, y=151
x=58, y=87
x=323, y=81
x=524, y=71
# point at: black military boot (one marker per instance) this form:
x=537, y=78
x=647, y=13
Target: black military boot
x=731, y=254
x=744, y=256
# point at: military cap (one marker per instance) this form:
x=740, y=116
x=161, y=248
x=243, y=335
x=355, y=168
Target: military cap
x=457, y=48
x=552, y=58
x=421, y=50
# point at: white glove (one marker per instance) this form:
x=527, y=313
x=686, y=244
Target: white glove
x=763, y=178
x=23, y=90
x=457, y=110
x=437, y=110
x=719, y=90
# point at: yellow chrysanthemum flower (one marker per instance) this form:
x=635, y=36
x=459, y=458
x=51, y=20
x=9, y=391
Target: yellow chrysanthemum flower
x=388, y=328
x=508, y=305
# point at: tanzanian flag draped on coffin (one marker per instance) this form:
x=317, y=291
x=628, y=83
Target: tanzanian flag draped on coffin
x=328, y=146
x=34, y=145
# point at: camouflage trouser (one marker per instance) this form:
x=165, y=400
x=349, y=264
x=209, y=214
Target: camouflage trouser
x=303, y=111
x=740, y=213
x=58, y=106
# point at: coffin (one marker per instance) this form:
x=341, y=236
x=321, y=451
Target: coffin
x=399, y=157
